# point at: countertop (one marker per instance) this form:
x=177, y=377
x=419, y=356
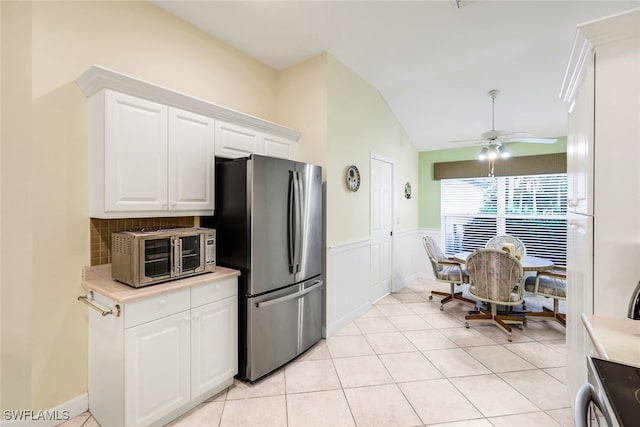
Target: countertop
x=98, y=279
x=614, y=338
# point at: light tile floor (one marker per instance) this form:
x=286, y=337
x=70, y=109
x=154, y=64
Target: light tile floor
x=406, y=363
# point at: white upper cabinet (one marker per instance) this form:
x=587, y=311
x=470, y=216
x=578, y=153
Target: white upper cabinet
x=152, y=150
x=279, y=147
x=580, y=147
x=233, y=141
x=135, y=154
x=191, y=161
x=152, y=160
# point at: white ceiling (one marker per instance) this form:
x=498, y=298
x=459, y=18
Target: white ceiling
x=433, y=62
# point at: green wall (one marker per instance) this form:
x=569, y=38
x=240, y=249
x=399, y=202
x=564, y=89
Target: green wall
x=429, y=189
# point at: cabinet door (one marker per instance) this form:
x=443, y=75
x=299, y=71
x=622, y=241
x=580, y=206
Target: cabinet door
x=279, y=147
x=191, y=161
x=579, y=296
x=156, y=368
x=580, y=147
x=135, y=154
x=214, y=345
x=236, y=141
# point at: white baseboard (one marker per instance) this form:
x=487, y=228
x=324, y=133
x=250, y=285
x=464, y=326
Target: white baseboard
x=48, y=417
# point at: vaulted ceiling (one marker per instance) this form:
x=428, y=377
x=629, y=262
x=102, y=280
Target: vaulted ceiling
x=433, y=61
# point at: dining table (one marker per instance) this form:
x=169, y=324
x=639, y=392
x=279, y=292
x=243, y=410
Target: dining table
x=528, y=262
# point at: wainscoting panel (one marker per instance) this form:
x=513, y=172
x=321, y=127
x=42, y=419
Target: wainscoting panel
x=349, y=281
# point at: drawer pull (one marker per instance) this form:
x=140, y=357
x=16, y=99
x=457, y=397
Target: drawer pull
x=88, y=300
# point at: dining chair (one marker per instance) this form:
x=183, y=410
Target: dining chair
x=446, y=269
x=550, y=284
x=498, y=242
x=496, y=278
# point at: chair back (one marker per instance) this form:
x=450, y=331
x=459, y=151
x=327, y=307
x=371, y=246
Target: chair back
x=495, y=276
x=498, y=242
x=434, y=253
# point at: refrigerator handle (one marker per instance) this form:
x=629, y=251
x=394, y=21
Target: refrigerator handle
x=290, y=221
x=316, y=285
x=298, y=225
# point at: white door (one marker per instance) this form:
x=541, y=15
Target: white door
x=156, y=372
x=381, y=226
x=214, y=345
x=135, y=152
x=191, y=161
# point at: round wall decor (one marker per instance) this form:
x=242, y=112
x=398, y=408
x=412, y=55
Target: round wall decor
x=353, y=178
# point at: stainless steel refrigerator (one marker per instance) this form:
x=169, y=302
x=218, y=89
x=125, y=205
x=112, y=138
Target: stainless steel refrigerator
x=268, y=222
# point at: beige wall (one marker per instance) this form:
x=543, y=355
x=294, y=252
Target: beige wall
x=360, y=123
x=47, y=174
x=16, y=232
x=44, y=222
x=302, y=105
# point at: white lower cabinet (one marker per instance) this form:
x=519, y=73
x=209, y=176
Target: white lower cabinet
x=211, y=361
x=156, y=368
x=163, y=355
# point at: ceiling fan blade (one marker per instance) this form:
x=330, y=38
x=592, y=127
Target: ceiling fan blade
x=468, y=141
x=535, y=140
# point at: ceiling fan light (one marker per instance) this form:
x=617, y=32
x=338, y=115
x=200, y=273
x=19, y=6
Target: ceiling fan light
x=492, y=152
x=504, y=153
x=483, y=154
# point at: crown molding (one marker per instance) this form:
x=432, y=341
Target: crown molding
x=589, y=37
x=98, y=78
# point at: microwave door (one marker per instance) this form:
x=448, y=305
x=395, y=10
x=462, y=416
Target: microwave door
x=189, y=252
x=156, y=259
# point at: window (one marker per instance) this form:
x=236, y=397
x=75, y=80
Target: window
x=532, y=208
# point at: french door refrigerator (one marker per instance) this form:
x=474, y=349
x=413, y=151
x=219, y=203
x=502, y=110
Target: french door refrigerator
x=268, y=222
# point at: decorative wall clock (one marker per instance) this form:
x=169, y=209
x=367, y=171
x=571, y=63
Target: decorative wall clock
x=353, y=178
x=407, y=190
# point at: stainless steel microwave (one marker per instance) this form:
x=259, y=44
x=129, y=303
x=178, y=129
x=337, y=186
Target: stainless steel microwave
x=146, y=257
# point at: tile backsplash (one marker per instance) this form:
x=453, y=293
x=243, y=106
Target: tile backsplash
x=101, y=230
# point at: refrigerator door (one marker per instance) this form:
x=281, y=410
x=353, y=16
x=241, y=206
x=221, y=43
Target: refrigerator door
x=280, y=326
x=285, y=209
x=309, y=240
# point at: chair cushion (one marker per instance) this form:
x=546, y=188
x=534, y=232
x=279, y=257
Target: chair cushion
x=452, y=274
x=548, y=286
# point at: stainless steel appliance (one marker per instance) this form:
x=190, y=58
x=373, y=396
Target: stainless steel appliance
x=611, y=397
x=146, y=257
x=269, y=223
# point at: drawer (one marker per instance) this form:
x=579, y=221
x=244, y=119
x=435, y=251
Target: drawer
x=153, y=308
x=214, y=291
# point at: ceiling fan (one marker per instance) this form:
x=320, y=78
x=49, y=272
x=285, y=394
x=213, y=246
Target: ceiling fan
x=495, y=138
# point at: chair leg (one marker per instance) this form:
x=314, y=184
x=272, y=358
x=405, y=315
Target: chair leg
x=450, y=296
x=551, y=314
x=496, y=319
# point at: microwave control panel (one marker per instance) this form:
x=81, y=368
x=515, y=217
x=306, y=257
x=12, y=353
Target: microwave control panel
x=210, y=251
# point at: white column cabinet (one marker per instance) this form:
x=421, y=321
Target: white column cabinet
x=163, y=355
x=602, y=87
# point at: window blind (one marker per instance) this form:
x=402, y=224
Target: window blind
x=532, y=208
